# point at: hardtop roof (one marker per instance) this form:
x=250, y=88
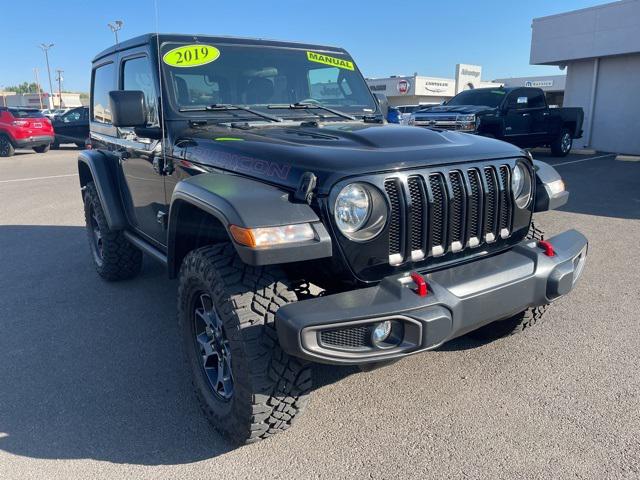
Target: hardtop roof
x=176, y=37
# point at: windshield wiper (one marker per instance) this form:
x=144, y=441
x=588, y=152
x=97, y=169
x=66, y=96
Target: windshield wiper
x=226, y=107
x=311, y=106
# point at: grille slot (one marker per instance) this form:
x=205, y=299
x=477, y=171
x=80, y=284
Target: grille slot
x=491, y=207
x=438, y=216
x=505, y=199
x=417, y=194
x=475, y=208
x=348, y=338
x=456, y=217
x=438, y=213
x=395, y=240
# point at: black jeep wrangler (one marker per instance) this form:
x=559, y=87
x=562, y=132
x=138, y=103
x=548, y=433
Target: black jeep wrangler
x=301, y=227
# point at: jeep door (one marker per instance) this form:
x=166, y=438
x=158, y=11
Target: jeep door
x=140, y=157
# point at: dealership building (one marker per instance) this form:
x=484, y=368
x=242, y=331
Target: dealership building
x=417, y=89
x=600, y=48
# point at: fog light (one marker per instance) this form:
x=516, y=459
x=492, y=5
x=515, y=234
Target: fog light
x=381, y=332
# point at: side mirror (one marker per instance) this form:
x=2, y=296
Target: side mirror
x=383, y=102
x=127, y=108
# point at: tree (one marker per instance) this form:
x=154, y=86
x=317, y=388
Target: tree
x=24, y=87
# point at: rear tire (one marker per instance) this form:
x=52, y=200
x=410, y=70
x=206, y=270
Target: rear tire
x=114, y=257
x=42, y=148
x=6, y=148
x=561, y=146
x=266, y=388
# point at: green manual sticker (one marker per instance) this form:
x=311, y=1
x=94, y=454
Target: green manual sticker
x=327, y=60
x=191, y=55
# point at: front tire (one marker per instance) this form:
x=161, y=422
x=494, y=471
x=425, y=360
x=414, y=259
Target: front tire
x=114, y=257
x=561, y=146
x=6, y=148
x=248, y=388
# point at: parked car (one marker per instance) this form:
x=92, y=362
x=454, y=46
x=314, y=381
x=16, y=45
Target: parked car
x=393, y=115
x=407, y=110
x=72, y=127
x=52, y=112
x=518, y=115
x=302, y=227
x=24, y=128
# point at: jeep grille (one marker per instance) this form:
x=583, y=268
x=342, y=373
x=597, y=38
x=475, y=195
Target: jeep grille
x=440, y=212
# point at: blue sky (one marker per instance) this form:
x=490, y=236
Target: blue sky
x=385, y=38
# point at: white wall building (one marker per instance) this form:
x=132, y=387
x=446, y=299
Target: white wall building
x=600, y=47
x=418, y=89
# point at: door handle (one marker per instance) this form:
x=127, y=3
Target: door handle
x=526, y=114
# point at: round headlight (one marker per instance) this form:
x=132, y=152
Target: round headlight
x=353, y=206
x=517, y=180
x=521, y=185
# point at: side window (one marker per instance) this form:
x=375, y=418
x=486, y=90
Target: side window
x=535, y=99
x=136, y=75
x=518, y=99
x=72, y=116
x=103, y=83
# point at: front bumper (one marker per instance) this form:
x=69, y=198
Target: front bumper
x=460, y=299
x=35, y=141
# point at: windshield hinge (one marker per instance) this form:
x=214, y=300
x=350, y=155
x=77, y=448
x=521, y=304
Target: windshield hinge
x=306, y=186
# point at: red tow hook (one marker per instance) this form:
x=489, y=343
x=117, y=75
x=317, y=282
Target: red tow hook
x=547, y=247
x=421, y=284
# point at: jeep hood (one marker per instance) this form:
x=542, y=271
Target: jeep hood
x=462, y=109
x=281, y=153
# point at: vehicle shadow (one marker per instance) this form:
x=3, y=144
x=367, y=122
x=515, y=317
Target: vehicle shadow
x=605, y=186
x=92, y=369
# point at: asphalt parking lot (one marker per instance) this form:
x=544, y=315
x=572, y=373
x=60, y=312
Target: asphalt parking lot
x=92, y=383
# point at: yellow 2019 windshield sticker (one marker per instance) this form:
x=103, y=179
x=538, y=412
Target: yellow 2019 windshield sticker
x=191, y=55
x=327, y=60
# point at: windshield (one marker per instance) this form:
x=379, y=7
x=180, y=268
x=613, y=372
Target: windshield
x=489, y=98
x=258, y=77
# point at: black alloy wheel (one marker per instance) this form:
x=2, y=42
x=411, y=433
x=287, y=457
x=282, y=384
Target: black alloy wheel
x=212, y=344
x=97, y=245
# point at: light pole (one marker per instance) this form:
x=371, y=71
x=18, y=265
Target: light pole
x=45, y=48
x=35, y=70
x=115, y=26
x=59, y=79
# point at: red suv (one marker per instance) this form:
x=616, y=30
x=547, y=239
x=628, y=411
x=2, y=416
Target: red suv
x=24, y=128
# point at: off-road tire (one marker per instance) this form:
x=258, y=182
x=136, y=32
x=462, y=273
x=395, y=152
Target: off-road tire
x=6, y=148
x=558, y=147
x=42, y=148
x=270, y=387
x=519, y=322
x=119, y=260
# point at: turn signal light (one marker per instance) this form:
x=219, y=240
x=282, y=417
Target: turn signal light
x=272, y=236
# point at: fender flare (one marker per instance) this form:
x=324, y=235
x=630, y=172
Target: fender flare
x=240, y=201
x=545, y=199
x=101, y=168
